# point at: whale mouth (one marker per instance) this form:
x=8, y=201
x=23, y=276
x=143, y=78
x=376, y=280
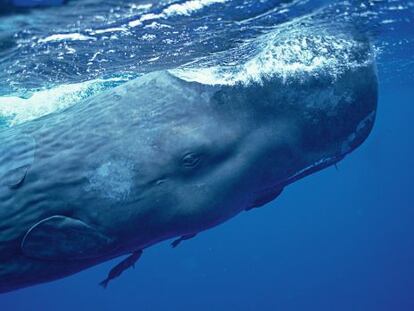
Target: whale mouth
x=353, y=140
x=313, y=168
x=265, y=196
x=268, y=194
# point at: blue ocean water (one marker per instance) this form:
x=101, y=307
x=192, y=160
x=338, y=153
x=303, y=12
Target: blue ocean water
x=341, y=239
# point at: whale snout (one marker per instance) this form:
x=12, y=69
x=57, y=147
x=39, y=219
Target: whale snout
x=334, y=127
x=357, y=117
x=360, y=134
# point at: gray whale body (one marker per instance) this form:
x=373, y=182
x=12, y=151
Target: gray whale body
x=160, y=157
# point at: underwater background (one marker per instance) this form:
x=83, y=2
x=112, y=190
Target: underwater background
x=341, y=239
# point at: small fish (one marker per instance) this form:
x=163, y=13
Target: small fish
x=176, y=242
x=121, y=267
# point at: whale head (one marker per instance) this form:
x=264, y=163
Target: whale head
x=299, y=129
x=224, y=149
x=281, y=116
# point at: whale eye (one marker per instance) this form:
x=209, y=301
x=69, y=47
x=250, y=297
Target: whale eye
x=191, y=160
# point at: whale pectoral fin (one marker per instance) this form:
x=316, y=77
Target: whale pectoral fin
x=178, y=241
x=16, y=157
x=63, y=238
x=265, y=198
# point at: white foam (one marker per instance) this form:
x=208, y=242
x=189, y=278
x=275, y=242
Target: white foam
x=185, y=8
x=106, y=30
x=189, y=7
x=66, y=37
x=16, y=110
x=296, y=55
x=146, y=6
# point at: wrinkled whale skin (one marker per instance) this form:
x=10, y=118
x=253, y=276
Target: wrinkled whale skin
x=160, y=157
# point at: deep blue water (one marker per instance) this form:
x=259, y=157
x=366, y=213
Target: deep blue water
x=337, y=240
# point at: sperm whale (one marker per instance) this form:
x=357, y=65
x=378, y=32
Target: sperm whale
x=164, y=157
